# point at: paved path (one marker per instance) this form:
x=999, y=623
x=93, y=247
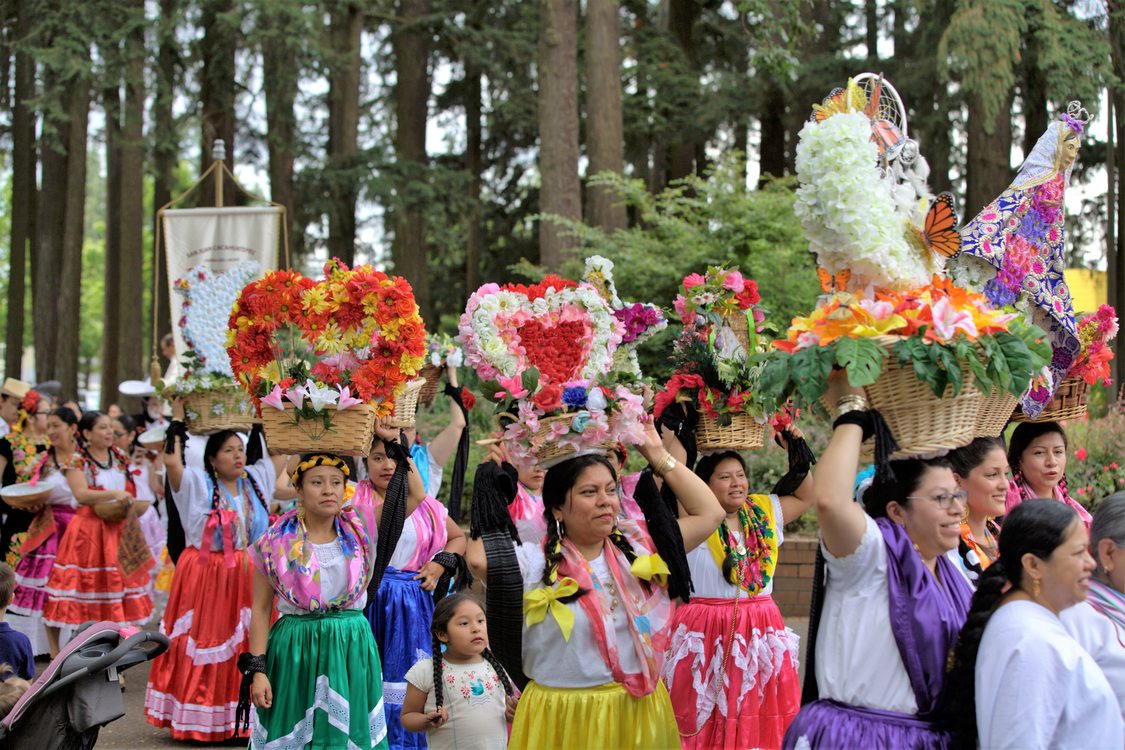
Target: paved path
x=132, y=732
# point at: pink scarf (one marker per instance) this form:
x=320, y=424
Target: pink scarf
x=1018, y=491
x=527, y=514
x=649, y=611
x=429, y=524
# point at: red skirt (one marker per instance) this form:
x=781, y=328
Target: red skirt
x=746, y=700
x=193, y=686
x=85, y=581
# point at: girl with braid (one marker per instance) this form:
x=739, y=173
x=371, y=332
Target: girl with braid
x=193, y=687
x=1037, y=455
x=474, y=698
x=1019, y=679
x=597, y=605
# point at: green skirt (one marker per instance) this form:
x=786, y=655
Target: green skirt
x=327, y=685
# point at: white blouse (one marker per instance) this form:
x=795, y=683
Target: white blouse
x=1037, y=688
x=857, y=658
x=333, y=578
x=554, y=662
x=1103, y=640
x=193, y=500
x=60, y=489
x=707, y=577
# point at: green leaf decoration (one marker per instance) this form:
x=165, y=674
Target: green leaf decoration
x=862, y=358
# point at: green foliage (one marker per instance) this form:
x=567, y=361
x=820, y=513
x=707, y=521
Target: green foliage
x=1100, y=473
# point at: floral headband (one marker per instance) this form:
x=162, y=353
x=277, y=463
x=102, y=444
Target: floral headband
x=319, y=459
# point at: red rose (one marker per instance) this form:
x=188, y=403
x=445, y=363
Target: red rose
x=468, y=399
x=549, y=398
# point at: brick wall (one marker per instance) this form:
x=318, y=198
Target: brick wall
x=792, y=581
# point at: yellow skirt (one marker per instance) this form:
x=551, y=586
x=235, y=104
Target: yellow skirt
x=603, y=717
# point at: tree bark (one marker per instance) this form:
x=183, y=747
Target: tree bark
x=682, y=16
x=165, y=150
x=217, y=48
x=412, y=96
x=988, y=155
x=281, y=120
x=771, y=145
x=1034, y=91
x=345, y=32
x=605, y=127
x=112, y=341
x=48, y=251
x=132, y=359
x=70, y=287
x=21, y=238
x=558, y=128
x=871, y=14
x=474, y=241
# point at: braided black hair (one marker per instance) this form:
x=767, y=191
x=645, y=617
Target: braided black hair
x=394, y=511
x=443, y=613
x=215, y=444
x=1037, y=527
x=461, y=461
x=660, y=516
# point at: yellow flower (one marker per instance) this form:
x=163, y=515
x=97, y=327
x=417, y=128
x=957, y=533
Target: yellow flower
x=331, y=341
x=270, y=372
x=315, y=300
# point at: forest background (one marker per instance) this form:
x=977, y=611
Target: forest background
x=458, y=141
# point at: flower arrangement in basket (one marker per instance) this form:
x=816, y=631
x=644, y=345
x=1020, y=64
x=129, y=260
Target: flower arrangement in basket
x=543, y=351
x=441, y=351
x=712, y=359
x=322, y=360
x=1089, y=367
x=641, y=320
x=212, y=398
x=941, y=364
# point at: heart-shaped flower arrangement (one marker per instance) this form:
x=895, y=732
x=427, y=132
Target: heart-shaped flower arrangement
x=353, y=337
x=208, y=298
x=565, y=330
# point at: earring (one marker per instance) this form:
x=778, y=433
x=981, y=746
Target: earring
x=916, y=548
x=1034, y=588
x=560, y=532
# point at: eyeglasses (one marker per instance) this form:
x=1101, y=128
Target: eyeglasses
x=944, y=501
x=119, y=435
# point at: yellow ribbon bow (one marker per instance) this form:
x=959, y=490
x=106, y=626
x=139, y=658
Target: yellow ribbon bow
x=537, y=601
x=650, y=567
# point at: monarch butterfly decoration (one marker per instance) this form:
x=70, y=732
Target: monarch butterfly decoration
x=834, y=283
x=939, y=231
x=885, y=134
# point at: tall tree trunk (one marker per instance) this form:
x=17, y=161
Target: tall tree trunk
x=23, y=190
x=1034, y=95
x=412, y=97
x=558, y=127
x=217, y=48
x=771, y=144
x=474, y=242
x=278, y=26
x=70, y=278
x=682, y=15
x=988, y=155
x=901, y=11
x=132, y=356
x=605, y=127
x=871, y=15
x=345, y=33
x=48, y=252
x=1116, y=290
x=165, y=149
x=112, y=341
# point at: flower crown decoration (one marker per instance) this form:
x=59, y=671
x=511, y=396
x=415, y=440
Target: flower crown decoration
x=713, y=357
x=1076, y=117
x=354, y=337
x=543, y=351
x=319, y=459
x=1095, y=331
x=442, y=350
x=862, y=197
x=641, y=320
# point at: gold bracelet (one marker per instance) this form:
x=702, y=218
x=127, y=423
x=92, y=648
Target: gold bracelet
x=850, y=402
x=664, y=464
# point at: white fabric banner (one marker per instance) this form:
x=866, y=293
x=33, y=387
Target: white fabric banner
x=217, y=238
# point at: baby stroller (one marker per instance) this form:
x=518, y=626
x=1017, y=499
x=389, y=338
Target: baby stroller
x=78, y=693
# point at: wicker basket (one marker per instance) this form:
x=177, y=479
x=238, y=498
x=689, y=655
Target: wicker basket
x=431, y=374
x=227, y=408
x=1069, y=402
x=406, y=405
x=743, y=433
x=553, y=453
x=348, y=433
x=995, y=413
x=922, y=423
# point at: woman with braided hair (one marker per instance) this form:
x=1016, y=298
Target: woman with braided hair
x=731, y=666
x=403, y=606
x=892, y=603
x=474, y=698
x=1037, y=456
x=193, y=687
x=1019, y=679
x=597, y=605
x=314, y=676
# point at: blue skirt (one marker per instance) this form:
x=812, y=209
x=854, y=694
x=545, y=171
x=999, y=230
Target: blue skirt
x=400, y=618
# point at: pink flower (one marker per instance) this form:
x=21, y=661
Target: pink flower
x=733, y=281
x=345, y=400
x=948, y=320
x=679, y=305
x=1080, y=454
x=693, y=280
x=274, y=399
x=513, y=386
x=297, y=395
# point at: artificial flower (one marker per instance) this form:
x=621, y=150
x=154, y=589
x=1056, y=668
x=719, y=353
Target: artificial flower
x=345, y=400
x=274, y=399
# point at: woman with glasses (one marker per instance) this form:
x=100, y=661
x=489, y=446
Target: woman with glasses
x=1098, y=624
x=893, y=603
